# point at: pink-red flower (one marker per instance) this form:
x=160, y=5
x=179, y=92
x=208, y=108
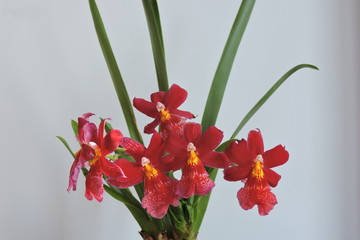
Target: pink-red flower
x=94, y=148
x=164, y=109
x=159, y=189
x=192, y=152
x=253, y=165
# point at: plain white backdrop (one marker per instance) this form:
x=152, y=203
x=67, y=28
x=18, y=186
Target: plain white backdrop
x=52, y=70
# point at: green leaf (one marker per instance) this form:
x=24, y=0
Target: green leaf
x=154, y=26
x=223, y=70
x=115, y=73
x=74, y=125
x=216, y=93
x=66, y=145
x=268, y=94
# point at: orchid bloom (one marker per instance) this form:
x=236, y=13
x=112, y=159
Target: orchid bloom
x=253, y=165
x=93, y=151
x=164, y=109
x=192, y=152
x=159, y=189
x=86, y=133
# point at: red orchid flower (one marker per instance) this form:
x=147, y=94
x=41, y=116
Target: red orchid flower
x=164, y=108
x=94, y=148
x=159, y=189
x=192, y=152
x=86, y=133
x=253, y=165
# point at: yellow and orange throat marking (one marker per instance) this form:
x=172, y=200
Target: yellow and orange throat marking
x=150, y=172
x=97, y=156
x=165, y=115
x=257, y=168
x=193, y=157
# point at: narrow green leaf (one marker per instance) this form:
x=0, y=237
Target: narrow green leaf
x=268, y=94
x=115, y=73
x=154, y=26
x=74, y=125
x=216, y=93
x=66, y=145
x=223, y=70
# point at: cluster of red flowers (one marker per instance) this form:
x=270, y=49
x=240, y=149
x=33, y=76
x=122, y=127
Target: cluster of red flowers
x=178, y=145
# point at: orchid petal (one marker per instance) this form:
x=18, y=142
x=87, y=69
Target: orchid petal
x=272, y=177
x=94, y=183
x=134, y=174
x=266, y=202
x=264, y=198
x=87, y=132
x=209, y=140
x=146, y=107
x=150, y=128
x=158, y=97
x=238, y=153
x=181, y=113
x=192, y=132
x=159, y=193
x=155, y=148
x=275, y=157
x=236, y=173
x=255, y=143
x=176, y=146
x=112, y=141
x=215, y=160
x=194, y=181
x=101, y=130
x=134, y=148
x=110, y=169
x=175, y=97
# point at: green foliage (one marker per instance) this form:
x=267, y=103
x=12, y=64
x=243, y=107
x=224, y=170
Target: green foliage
x=115, y=73
x=268, y=94
x=154, y=26
x=223, y=70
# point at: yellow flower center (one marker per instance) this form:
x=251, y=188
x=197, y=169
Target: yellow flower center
x=165, y=115
x=193, y=158
x=97, y=156
x=257, y=168
x=150, y=172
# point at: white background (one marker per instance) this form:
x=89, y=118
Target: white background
x=52, y=70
